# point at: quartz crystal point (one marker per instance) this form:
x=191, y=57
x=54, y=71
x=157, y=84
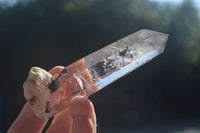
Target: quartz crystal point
x=50, y=94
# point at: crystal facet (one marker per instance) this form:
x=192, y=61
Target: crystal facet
x=50, y=94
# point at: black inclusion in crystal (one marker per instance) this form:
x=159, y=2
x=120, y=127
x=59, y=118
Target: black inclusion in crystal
x=53, y=86
x=123, y=53
x=104, y=67
x=63, y=71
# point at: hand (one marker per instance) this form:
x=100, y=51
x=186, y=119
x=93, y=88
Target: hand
x=79, y=118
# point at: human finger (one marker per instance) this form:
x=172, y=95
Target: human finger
x=56, y=70
x=71, y=86
x=62, y=123
x=82, y=80
x=27, y=122
x=77, y=82
x=83, y=115
x=76, y=66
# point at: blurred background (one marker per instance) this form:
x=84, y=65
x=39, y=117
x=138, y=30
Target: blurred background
x=161, y=96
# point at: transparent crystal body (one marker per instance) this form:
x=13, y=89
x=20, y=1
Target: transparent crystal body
x=99, y=69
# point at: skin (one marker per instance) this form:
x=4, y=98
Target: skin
x=79, y=118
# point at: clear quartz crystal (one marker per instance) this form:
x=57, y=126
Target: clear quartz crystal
x=93, y=72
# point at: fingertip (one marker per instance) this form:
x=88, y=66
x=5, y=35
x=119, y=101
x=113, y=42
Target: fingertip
x=83, y=115
x=76, y=66
x=81, y=106
x=56, y=70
